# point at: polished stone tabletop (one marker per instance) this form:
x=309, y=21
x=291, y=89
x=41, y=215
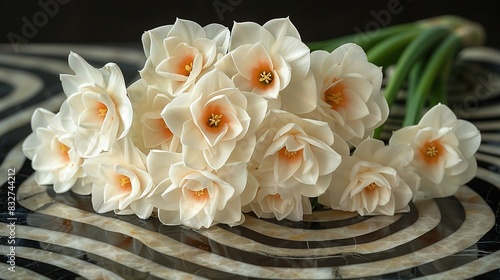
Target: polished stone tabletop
x=59, y=236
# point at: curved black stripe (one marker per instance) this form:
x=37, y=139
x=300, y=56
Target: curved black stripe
x=52, y=86
x=452, y=217
x=43, y=268
x=405, y=221
x=314, y=225
x=107, y=264
x=490, y=242
x=490, y=144
x=80, y=229
x=488, y=166
x=5, y=89
x=488, y=275
x=129, y=70
x=132, y=245
x=11, y=138
x=449, y=262
x=448, y=224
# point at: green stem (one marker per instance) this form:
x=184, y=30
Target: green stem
x=386, y=52
x=414, y=76
x=438, y=91
x=366, y=40
x=415, y=102
x=415, y=50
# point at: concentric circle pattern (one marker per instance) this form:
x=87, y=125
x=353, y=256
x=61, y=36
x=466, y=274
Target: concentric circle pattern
x=61, y=237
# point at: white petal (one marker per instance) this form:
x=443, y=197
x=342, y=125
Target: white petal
x=300, y=97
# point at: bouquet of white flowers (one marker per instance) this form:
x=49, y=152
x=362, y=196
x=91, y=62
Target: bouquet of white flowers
x=226, y=122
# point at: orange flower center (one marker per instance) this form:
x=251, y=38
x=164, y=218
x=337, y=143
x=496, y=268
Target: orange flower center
x=289, y=156
x=185, y=66
x=371, y=186
x=165, y=130
x=266, y=78
x=64, y=151
x=431, y=151
x=213, y=117
x=200, y=195
x=335, y=95
x=263, y=76
x=102, y=110
x=125, y=184
x=214, y=120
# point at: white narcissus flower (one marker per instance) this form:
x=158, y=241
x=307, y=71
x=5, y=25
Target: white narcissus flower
x=273, y=62
x=444, y=150
x=199, y=198
x=296, y=155
x=349, y=96
x=253, y=69
x=53, y=152
x=375, y=180
x=149, y=130
x=120, y=180
x=279, y=202
x=97, y=109
x=179, y=54
x=215, y=122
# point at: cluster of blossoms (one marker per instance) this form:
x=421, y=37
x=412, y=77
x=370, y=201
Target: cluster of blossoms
x=221, y=123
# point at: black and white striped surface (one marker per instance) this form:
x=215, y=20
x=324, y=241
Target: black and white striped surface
x=60, y=236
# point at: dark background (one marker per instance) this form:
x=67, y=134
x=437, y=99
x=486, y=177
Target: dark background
x=78, y=21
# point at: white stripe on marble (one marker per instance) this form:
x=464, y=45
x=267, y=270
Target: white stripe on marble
x=298, y=234
x=24, y=116
x=75, y=265
x=490, y=137
x=479, y=219
x=488, y=176
x=25, y=86
x=429, y=217
x=49, y=65
x=487, y=125
x=30, y=188
x=19, y=273
x=326, y=216
x=489, y=159
x=486, y=54
x=95, y=247
x=154, y=240
x=483, y=112
x=106, y=53
x=490, y=149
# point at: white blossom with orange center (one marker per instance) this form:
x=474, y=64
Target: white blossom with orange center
x=179, y=54
x=297, y=154
x=271, y=61
x=53, y=152
x=348, y=89
x=375, y=180
x=253, y=69
x=279, y=203
x=215, y=122
x=199, y=198
x=97, y=110
x=444, y=150
x=120, y=180
x=149, y=129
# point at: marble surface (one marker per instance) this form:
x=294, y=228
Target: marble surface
x=59, y=236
